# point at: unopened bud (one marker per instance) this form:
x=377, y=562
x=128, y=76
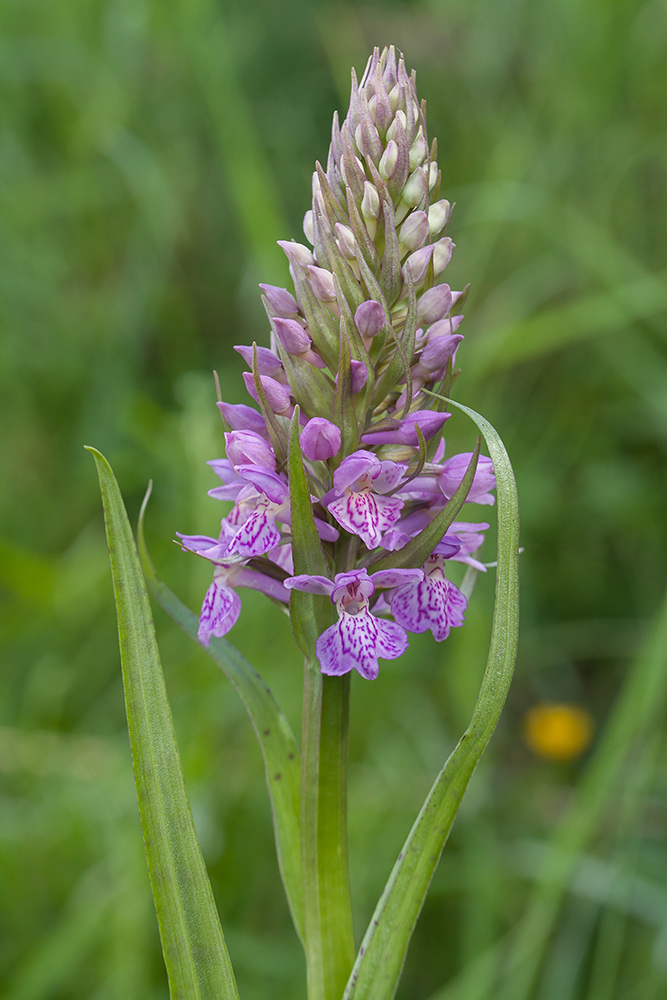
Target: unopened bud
x=359, y=374
x=392, y=130
x=417, y=264
x=297, y=253
x=414, y=231
x=418, y=150
x=370, y=204
x=276, y=394
x=280, y=300
x=370, y=318
x=346, y=241
x=322, y=284
x=239, y=416
x=432, y=175
x=320, y=439
x=308, y=229
x=388, y=160
x=394, y=95
x=438, y=215
x=416, y=187
x=292, y=336
x=442, y=254
x=268, y=363
x=433, y=305
x=438, y=351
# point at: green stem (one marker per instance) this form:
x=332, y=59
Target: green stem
x=329, y=936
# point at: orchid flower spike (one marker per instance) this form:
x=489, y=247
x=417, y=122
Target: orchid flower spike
x=356, y=342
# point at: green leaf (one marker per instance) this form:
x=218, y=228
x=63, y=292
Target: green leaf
x=380, y=961
x=194, y=949
x=275, y=737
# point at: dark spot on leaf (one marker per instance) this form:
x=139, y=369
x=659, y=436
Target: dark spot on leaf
x=267, y=732
x=290, y=756
x=277, y=777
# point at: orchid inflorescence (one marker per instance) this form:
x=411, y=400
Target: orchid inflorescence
x=353, y=350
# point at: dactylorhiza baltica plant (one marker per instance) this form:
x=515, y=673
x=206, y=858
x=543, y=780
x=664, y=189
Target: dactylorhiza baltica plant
x=342, y=506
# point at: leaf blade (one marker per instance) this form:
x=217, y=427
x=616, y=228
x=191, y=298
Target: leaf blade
x=380, y=960
x=195, y=953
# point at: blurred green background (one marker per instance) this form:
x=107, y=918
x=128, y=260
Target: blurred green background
x=151, y=154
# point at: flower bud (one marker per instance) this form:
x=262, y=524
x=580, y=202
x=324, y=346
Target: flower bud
x=276, y=394
x=308, y=228
x=268, y=363
x=418, y=151
x=242, y=417
x=418, y=264
x=370, y=204
x=359, y=374
x=432, y=174
x=322, y=284
x=399, y=120
x=416, y=187
x=280, y=300
x=346, y=241
x=320, y=439
x=433, y=305
x=438, y=215
x=442, y=254
x=414, y=231
x=437, y=353
x=403, y=432
x=388, y=160
x=297, y=253
x=444, y=327
x=370, y=318
x=292, y=336
x=394, y=95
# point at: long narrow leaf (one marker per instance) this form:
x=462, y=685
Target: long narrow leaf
x=275, y=737
x=194, y=948
x=380, y=961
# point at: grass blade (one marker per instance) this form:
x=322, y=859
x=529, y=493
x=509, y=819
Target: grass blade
x=380, y=961
x=194, y=949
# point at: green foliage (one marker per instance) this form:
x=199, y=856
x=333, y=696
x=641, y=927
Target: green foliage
x=194, y=948
x=151, y=155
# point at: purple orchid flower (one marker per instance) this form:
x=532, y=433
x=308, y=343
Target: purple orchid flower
x=222, y=605
x=357, y=500
x=358, y=639
x=433, y=603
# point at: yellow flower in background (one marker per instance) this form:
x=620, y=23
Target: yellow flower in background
x=558, y=731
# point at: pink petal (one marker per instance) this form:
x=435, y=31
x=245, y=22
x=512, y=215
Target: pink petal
x=220, y=611
x=309, y=584
x=366, y=514
x=434, y=604
x=256, y=536
x=356, y=642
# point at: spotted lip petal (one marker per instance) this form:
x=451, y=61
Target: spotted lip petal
x=366, y=514
x=219, y=613
x=435, y=603
x=356, y=642
x=258, y=535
